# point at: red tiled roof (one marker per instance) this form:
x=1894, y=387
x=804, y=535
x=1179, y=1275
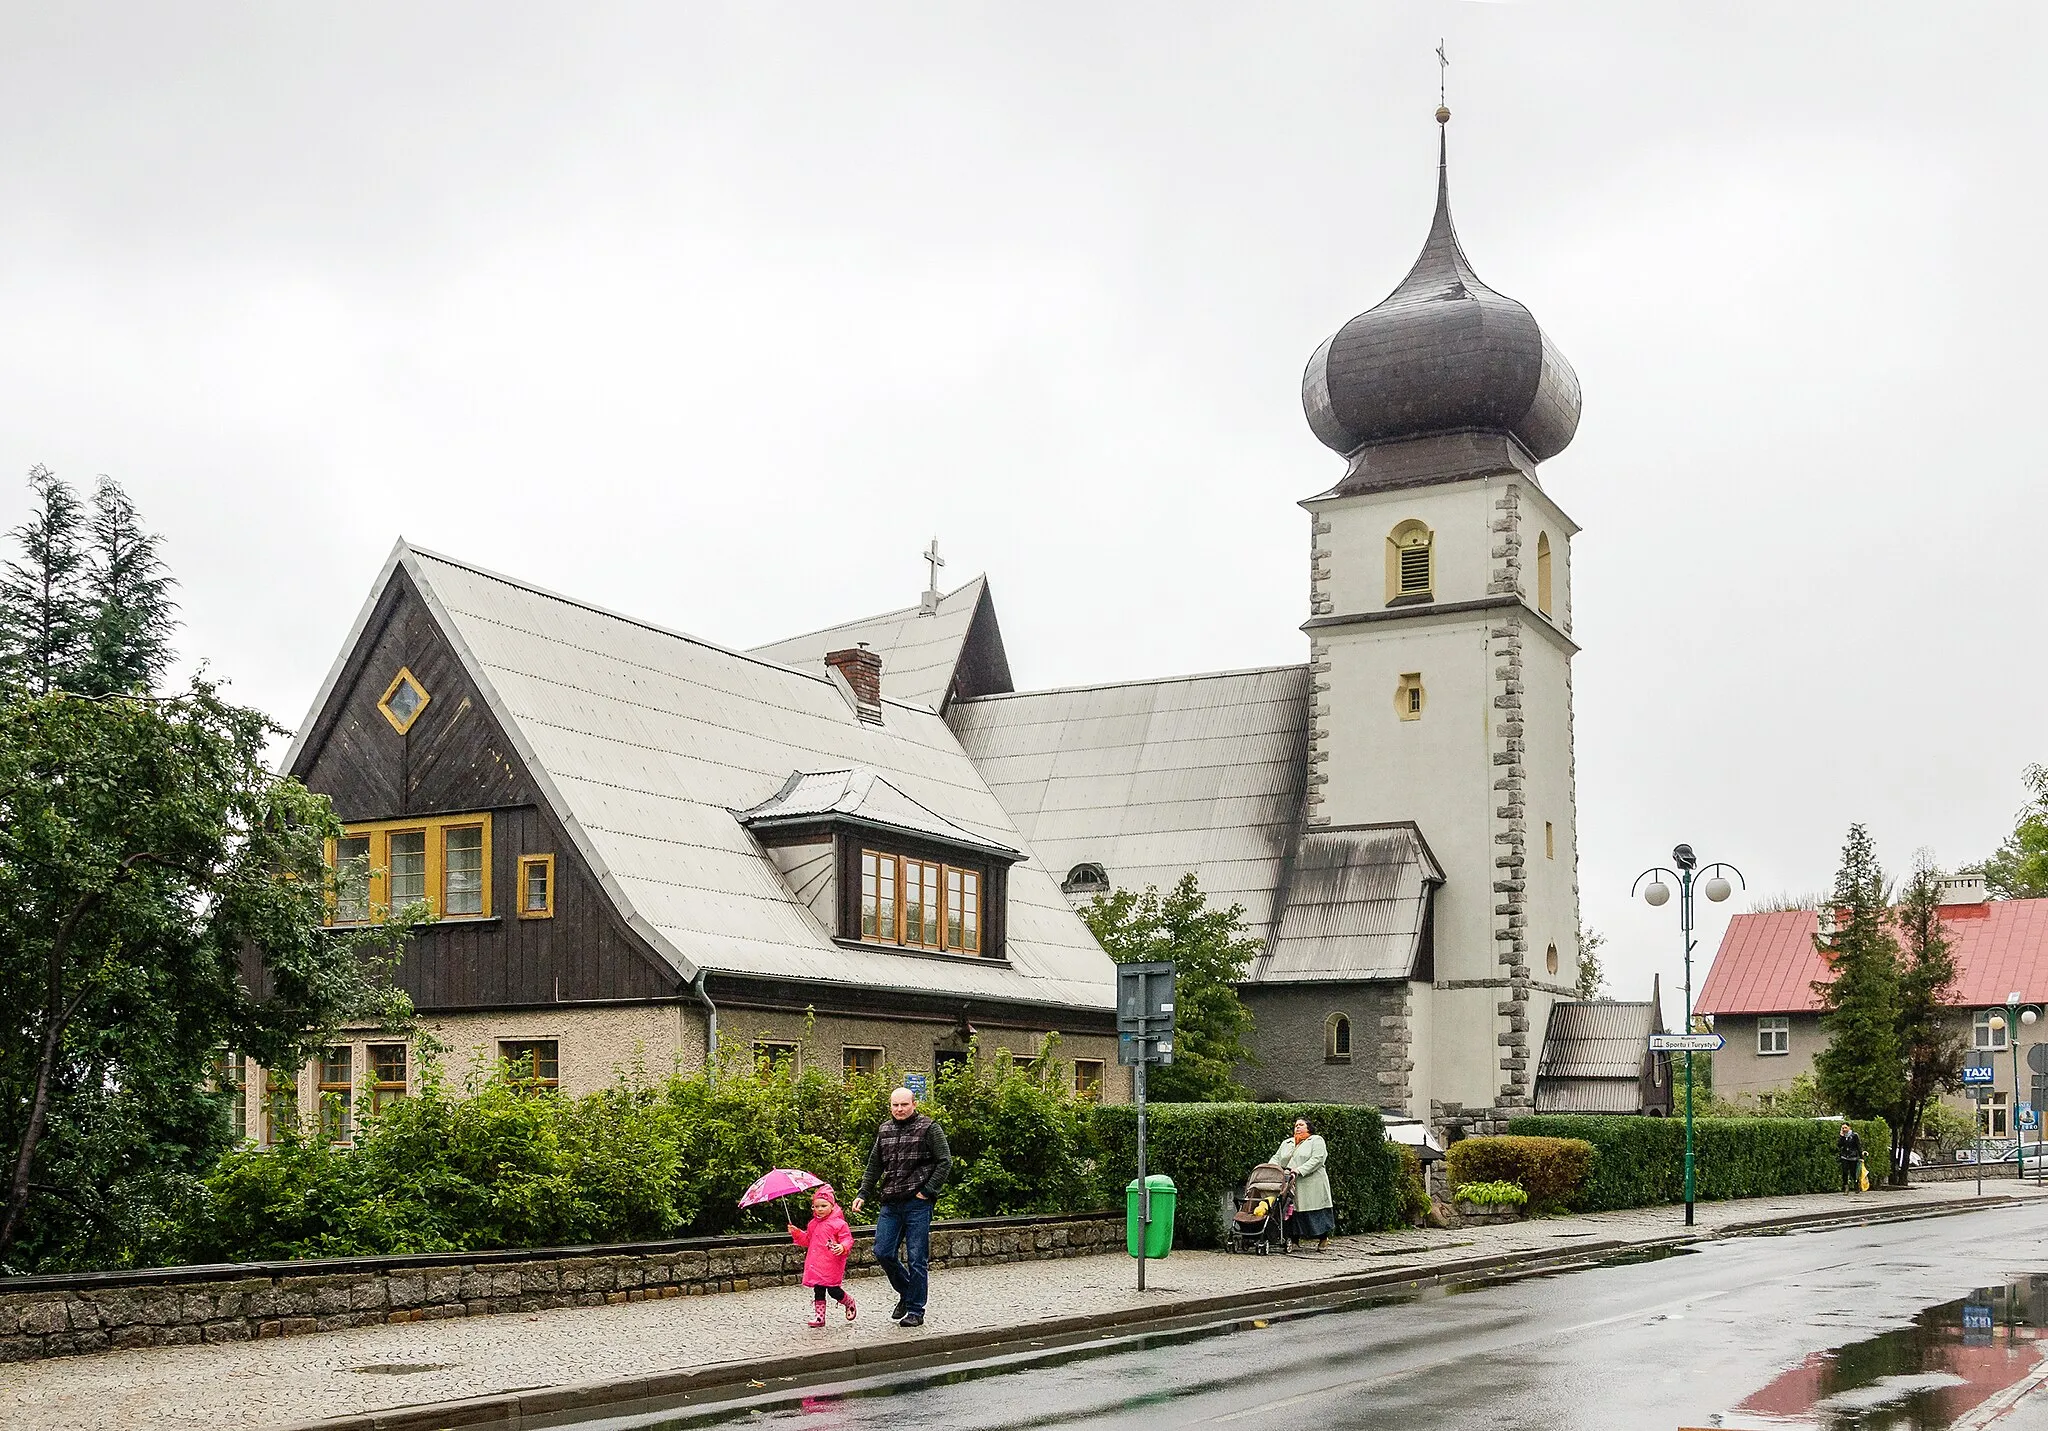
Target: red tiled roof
x=1767, y=963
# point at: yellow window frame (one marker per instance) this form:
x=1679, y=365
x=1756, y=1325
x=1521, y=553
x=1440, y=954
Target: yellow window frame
x=527, y=862
x=436, y=828
x=399, y=723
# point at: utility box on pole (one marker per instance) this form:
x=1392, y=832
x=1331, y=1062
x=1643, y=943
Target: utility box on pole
x=1144, y=1036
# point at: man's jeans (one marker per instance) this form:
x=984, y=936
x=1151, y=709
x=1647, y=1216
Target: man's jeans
x=906, y=1224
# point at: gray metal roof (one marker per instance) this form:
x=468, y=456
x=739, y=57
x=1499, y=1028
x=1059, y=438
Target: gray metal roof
x=1589, y=1095
x=645, y=741
x=1602, y=1039
x=860, y=795
x=919, y=653
x=1151, y=779
x=1355, y=901
x=1441, y=353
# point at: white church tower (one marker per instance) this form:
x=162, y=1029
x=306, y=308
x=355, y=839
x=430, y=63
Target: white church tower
x=1440, y=651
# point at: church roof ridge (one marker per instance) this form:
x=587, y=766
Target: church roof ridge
x=897, y=614
x=1140, y=681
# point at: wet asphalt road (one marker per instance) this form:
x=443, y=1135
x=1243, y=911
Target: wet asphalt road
x=1720, y=1335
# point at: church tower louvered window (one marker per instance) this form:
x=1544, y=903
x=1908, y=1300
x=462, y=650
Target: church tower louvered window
x=1411, y=567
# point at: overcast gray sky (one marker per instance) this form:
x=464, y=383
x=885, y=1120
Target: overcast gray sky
x=715, y=314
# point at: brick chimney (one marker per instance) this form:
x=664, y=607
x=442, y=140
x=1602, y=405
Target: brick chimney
x=862, y=671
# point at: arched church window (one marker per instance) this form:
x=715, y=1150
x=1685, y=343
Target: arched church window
x=1337, y=1039
x=1543, y=572
x=1086, y=879
x=1411, y=563
x=1550, y=959
x=1409, y=697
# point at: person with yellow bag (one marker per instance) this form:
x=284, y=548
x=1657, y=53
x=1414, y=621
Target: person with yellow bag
x=1849, y=1154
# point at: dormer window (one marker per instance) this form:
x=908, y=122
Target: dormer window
x=1086, y=879
x=919, y=904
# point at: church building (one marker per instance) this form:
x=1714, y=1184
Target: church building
x=638, y=844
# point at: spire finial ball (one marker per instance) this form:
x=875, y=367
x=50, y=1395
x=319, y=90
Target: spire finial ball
x=1443, y=114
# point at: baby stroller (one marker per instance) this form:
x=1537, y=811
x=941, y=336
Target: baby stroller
x=1261, y=1221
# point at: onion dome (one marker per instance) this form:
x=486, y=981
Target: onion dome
x=1442, y=353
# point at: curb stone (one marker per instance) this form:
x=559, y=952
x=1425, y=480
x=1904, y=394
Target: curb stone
x=520, y=1410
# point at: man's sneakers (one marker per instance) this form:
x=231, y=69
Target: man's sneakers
x=817, y=1314
x=913, y=1319
x=851, y=1310
x=901, y=1307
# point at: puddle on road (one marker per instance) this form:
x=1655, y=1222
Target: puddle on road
x=1952, y=1360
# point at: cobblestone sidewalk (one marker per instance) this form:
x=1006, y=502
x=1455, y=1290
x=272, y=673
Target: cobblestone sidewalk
x=269, y=1383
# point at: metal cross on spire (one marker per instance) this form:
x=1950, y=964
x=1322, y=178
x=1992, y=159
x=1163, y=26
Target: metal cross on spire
x=931, y=596
x=1443, y=68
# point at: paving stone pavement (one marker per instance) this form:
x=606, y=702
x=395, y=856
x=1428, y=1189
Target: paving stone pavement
x=293, y=1379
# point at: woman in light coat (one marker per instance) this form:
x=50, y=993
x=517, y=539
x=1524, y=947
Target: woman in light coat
x=1314, y=1214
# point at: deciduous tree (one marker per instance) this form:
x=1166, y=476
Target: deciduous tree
x=2019, y=867
x=146, y=852
x=1592, y=977
x=1211, y=950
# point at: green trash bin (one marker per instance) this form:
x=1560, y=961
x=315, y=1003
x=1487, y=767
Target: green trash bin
x=1159, y=1240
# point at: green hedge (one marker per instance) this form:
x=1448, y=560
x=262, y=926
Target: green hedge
x=1552, y=1171
x=1207, y=1148
x=1641, y=1161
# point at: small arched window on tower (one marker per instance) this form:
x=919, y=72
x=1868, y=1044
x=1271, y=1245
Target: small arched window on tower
x=1543, y=572
x=1337, y=1039
x=1411, y=564
x=1550, y=960
x=1408, y=697
x=1086, y=879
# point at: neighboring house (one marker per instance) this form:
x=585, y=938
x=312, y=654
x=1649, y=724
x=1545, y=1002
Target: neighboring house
x=631, y=835
x=1597, y=1059
x=1759, y=993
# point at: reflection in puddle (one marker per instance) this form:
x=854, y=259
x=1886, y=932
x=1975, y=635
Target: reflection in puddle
x=1952, y=1360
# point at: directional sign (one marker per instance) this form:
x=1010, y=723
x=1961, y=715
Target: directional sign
x=1686, y=1043
x=1978, y=1073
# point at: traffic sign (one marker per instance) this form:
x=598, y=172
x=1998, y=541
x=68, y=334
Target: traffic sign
x=1975, y=1074
x=1686, y=1043
x=1144, y=1013
x=2037, y=1058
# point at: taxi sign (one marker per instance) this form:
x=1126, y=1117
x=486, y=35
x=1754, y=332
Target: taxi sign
x=1977, y=1073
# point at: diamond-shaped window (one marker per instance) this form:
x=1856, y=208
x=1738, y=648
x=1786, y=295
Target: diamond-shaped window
x=403, y=701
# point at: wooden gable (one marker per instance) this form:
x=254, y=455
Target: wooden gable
x=455, y=758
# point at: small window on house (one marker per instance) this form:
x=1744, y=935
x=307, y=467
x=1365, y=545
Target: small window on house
x=1549, y=846
x=1995, y=1109
x=408, y=875
x=1411, y=572
x=227, y=1078
x=1088, y=1079
x=1408, y=697
x=536, y=886
x=403, y=701
x=462, y=871
x=1337, y=1039
x=387, y=1075
x=963, y=911
x=1086, y=879
x=337, y=1089
x=352, y=879
x=1550, y=960
x=1543, y=572
x=537, y=1062
x=772, y=1055
x=1987, y=1035
x=921, y=904
x=280, y=1103
x=860, y=1062
x=1774, y=1034
x=877, y=896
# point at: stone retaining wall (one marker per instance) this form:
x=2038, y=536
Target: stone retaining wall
x=180, y=1306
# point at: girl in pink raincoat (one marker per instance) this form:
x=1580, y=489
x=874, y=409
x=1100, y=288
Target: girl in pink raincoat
x=828, y=1243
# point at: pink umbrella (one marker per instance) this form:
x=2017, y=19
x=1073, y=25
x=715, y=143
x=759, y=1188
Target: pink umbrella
x=780, y=1182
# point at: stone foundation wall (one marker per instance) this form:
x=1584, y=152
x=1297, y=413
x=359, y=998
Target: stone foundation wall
x=183, y=1306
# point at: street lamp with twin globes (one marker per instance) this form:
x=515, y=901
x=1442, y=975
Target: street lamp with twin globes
x=1710, y=882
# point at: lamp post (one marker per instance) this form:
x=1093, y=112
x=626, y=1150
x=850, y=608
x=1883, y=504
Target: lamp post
x=2014, y=1017
x=1712, y=883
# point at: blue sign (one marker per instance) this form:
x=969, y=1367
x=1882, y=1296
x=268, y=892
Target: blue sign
x=1977, y=1074
x=1977, y=1316
x=916, y=1083
x=2028, y=1117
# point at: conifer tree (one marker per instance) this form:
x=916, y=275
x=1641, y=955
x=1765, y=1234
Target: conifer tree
x=45, y=609
x=1860, y=1071
x=1930, y=1044
x=129, y=643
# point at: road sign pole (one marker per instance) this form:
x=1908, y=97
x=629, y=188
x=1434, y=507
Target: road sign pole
x=1144, y=1191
